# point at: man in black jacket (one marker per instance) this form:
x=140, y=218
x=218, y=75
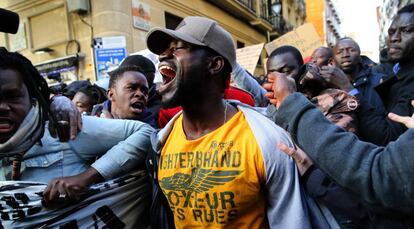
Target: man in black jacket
x=350, y=67
x=396, y=92
x=380, y=177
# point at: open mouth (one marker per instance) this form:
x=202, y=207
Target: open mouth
x=168, y=73
x=5, y=125
x=171, y=72
x=137, y=107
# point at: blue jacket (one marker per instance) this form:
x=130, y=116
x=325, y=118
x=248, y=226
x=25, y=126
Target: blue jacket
x=365, y=82
x=122, y=145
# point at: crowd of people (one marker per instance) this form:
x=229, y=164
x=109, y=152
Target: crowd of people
x=323, y=144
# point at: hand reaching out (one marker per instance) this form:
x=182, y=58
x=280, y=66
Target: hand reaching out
x=303, y=162
x=336, y=78
x=65, y=190
x=278, y=87
x=406, y=120
x=66, y=120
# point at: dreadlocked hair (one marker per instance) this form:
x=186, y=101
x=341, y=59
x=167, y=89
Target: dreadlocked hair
x=35, y=83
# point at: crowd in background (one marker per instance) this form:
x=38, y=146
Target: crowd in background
x=323, y=144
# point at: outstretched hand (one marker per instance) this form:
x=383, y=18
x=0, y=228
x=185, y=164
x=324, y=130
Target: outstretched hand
x=336, y=78
x=65, y=190
x=303, y=162
x=406, y=120
x=278, y=87
x=66, y=120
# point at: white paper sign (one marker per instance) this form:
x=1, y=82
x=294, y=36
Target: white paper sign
x=248, y=56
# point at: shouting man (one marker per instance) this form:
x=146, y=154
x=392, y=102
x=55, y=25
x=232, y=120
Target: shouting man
x=216, y=164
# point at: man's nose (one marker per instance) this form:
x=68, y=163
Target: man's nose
x=166, y=54
x=395, y=37
x=138, y=93
x=346, y=53
x=4, y=107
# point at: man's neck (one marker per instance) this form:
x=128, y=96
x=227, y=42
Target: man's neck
x=116, y=113
x=202, y=117
x=354, y=74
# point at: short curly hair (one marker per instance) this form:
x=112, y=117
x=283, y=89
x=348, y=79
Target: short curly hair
x=115, y=74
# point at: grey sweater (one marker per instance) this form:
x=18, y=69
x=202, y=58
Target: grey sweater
x=381, y=177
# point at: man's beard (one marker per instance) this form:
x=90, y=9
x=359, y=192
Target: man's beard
x=170, y=101
x=189, y=91
x=173, y=98
x=185, y=95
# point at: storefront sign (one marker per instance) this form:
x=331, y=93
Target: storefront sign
x=109, y=52
x=108, y=59
x=113, y=42
x=141, y=15
x=59, y=65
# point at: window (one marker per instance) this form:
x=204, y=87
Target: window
x=171, y=21
x=49, y=28
x=249, y=4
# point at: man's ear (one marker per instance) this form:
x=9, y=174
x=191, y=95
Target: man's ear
x=111, y=95
x=331, y=61
x=216, y=65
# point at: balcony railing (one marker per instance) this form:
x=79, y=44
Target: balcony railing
x=249, y=4
x=257, y=12
x=264, y=10
x=278, y=23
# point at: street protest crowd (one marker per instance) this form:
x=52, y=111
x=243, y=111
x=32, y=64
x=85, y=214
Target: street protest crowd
x=322, y=144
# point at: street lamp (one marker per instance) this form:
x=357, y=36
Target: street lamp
x=276, y=8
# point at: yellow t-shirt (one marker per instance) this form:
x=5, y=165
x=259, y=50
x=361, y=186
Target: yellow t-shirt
x=216, y=180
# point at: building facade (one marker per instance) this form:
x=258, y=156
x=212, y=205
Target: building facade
x=325, y=16
x=281, y=15
x=386, y=11
x=61, y=37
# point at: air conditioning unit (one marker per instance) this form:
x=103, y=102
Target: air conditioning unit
x=78, y=6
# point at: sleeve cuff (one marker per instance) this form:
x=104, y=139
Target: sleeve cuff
x=353, y=92
x=107, y=170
